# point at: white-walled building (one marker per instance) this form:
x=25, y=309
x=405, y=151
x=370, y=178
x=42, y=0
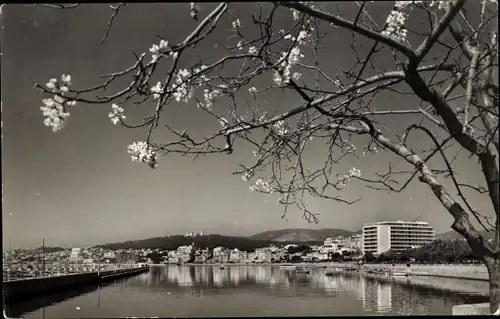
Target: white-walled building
x=395, y=235
x=264, y=255
x=237, y=256
x=76, y=255
x=220, y=255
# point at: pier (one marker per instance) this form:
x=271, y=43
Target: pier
x=16, y=289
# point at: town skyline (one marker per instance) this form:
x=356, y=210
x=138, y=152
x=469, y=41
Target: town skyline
x=78, y=186
x=8, y=245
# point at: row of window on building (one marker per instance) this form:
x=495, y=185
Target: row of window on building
x=396, y=236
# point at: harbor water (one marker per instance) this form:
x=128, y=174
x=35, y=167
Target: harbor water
x=253, y=290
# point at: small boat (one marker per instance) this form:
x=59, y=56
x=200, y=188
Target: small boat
x=288, y=267
x=332, y=273
x=303, y=271
x=400, y=274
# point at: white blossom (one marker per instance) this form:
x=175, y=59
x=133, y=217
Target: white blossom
x=280, y=128
x=252, y=50
x=52, y=83
x=261, y=186
x=343, y=181
x=239, y=46
x=295, y=14
x=296, y=76
x=302, y=36
x=277, y=78
x=346, y=178
x=441, y=4
x=236, y=24
x=182, y=90
x=157, y=50
x=246, y=176
x=66, y=78
x=354, y=172
x=210, y=96
x=283, y=76
x=157, y=90
x=224, y=122
x=350, y=147
x=141, y=152
x=55, y=109
x=373, y=149
x=395, y=25
x=295, y=55
x=55, y=114
x=116, y=114
x=262, y=118
x=252, y=90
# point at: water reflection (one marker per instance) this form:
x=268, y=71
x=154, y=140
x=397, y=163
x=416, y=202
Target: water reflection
x=258, y=290
x=16, y=309
x=376, y=294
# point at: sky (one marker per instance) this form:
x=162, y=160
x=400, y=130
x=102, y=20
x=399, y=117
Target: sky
x=78, y=187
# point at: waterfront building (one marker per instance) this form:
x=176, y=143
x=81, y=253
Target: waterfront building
x=264, y=255
x=251, y=257
x=236, y=256
x=220, y=255
x=357, y=241
x=201, y=256
x=396, y=236
x=331, y=245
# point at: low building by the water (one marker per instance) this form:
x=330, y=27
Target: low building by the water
x=220, y=255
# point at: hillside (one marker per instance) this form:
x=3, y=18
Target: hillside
x=452, y=235
x=208, y=241
x=301, y=235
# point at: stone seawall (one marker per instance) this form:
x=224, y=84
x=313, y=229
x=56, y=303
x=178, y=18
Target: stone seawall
x=16, y=289
x=473, y=272
x=21, y=289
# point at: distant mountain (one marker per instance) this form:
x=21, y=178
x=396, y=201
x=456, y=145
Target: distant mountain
x=452, y=235
x=301, y=235
x=208, y=241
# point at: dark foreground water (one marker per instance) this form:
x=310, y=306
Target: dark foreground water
x=184, y=291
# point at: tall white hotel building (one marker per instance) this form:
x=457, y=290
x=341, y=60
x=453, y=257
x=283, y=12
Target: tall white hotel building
x=396, y=236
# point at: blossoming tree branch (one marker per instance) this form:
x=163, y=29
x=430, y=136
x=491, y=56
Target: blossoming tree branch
x=457, y=90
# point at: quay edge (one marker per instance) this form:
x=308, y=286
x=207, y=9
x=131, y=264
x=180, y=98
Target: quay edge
x=15, y=290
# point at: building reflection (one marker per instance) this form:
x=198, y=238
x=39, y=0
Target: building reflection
x=376, y=294
x=384, y=296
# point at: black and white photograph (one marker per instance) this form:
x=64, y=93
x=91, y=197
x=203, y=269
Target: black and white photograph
x=250, y=159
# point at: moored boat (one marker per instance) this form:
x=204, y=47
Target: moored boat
x=332, y=273
x=400, y=274
x=303, y=271
x=288, y=267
